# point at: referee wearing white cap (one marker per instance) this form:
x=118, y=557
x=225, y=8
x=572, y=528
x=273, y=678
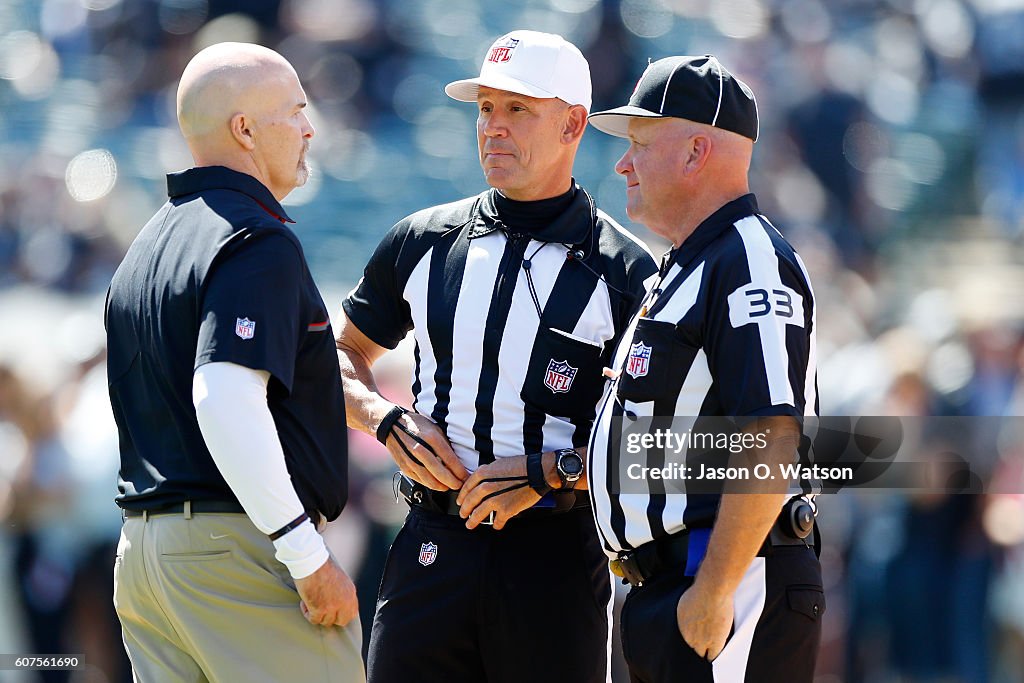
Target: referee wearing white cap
x=728, y=330
x=516, y=297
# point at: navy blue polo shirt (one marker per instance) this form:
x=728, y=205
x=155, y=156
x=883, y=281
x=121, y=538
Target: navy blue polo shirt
x=217, y=276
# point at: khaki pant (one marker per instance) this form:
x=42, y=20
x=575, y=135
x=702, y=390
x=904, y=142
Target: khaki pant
x=202, y=598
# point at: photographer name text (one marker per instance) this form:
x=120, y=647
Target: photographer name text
x=761, y=472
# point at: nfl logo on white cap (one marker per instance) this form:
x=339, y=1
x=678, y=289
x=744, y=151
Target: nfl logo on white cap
x=531, y=63
x=501, y=51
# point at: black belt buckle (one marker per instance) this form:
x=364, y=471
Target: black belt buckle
x=489, y=519
x=626, y=567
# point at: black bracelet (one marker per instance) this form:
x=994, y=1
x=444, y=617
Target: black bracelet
x=535, y=474
x=388, y=423
x=290, y=526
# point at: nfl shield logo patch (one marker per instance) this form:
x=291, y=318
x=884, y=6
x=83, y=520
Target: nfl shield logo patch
x=638, y=361
x=502, y=52
x=245, y=328
x=559, y=376
x=428, y=553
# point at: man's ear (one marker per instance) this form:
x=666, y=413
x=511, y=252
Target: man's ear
x=575, y=123
x=242, y=132
x=697, y=153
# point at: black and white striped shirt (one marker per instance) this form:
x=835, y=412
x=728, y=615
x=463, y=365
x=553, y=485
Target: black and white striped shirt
x=511, y=329
x=728, y=330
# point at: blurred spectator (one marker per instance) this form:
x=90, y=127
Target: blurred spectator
x=39, y=493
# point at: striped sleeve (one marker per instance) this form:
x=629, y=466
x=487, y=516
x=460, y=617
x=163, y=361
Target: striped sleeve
x=376, y=305
x=758, y=325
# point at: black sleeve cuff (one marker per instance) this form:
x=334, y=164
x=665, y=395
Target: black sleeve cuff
x=290, y=526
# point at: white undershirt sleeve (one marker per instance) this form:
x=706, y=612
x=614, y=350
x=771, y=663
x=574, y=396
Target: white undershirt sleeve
x=231, y=406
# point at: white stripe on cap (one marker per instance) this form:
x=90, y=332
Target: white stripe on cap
x=647, y=70
x=721, y=87
x=664, y=95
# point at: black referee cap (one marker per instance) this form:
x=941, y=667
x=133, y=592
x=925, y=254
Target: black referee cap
x=695, y=88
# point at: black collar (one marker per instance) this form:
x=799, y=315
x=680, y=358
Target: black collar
x=573, y=226
x=710, y=228
x=196, y=180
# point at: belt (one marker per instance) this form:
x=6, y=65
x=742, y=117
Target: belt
x=686, y=549
x=444, y=502
x=187, y=508
x=190, y=507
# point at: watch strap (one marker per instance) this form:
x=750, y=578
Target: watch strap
x=388, y=423
x=535, y=473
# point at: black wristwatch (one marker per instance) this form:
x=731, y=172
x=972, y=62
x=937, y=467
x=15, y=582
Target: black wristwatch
x=569, y=465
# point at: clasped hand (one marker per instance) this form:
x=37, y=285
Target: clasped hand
x=424, y=455
x=500, y=487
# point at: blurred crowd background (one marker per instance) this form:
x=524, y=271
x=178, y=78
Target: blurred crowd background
x=891, y=155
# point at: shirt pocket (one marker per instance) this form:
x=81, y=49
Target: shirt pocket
x=656, y=363
x=564, y=375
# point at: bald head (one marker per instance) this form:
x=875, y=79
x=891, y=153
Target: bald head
x=222, y=80
x=240, y=105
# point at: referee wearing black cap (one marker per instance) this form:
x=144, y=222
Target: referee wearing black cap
x=515, y=297
x=727, y=330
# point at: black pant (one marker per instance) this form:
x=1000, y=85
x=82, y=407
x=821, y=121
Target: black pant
x=776, y=630
x=527, y=603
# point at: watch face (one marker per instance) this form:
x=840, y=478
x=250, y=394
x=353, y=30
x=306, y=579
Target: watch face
x=571, y=464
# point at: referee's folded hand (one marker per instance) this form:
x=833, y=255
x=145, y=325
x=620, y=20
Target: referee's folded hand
x=499, y=487
x=328, y=596
x=424, y=454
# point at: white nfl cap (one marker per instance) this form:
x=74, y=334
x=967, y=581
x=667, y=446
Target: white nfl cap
x=530, y=63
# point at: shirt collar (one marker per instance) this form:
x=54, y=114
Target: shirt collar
x=711, y=227
x=196, y=180
x=573, y=226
